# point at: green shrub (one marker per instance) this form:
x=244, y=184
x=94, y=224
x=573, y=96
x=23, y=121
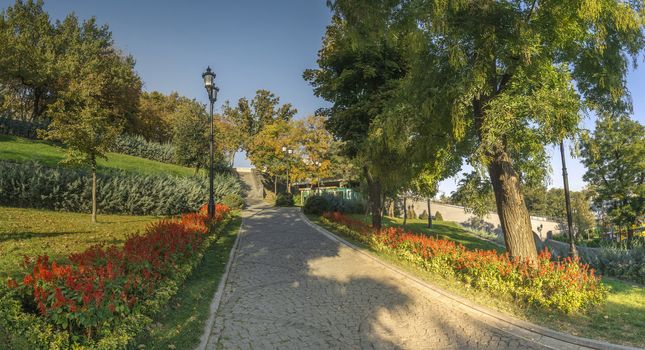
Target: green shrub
x=626, y=264
x=233, y=200
x=33, y=185
x=424, y=215
x=316, y=205
x=284, y=200
x=138, y=146
x=328, y=202
x=437, y=216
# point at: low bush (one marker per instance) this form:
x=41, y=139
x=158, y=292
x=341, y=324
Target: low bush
x=138, y=146
x=284, y=200
x=626, y=264
x=315, y=205
x=33, y=185
x=437, y=216
x=233, y=200
x=565, y=285
x=327, y=202
x=424, y=215
x=105, y=296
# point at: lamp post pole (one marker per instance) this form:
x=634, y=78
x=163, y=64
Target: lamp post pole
x=567, y=199
x=288, y=152
x=212, y=90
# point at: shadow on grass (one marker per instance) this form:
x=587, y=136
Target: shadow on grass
x=19, y=236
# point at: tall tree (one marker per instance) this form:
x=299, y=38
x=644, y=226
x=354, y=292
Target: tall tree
x=29, y=52
x=356, y=68
x=614, y=155
x=265, y=149
x=500, y=75
x=190, y=135
x=101, y=90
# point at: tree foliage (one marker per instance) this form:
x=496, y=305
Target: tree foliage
x=506, y=78
x=614, y=155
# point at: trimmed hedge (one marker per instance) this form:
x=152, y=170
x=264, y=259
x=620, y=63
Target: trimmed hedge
x=138, y=146
x=319, y=203
x=105, y=297
x=33, y=185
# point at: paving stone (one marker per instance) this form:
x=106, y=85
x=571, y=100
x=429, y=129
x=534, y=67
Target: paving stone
x=290, y=287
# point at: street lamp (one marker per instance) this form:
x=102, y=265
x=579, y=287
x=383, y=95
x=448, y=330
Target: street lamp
x=318, y=164
x=288, y=152
x=212, y=90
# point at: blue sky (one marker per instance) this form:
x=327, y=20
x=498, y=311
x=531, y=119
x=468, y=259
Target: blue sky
x=250, y=45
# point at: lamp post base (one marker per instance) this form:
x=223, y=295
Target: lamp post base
x=211, y=207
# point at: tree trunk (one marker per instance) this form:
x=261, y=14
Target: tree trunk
x=374, y=187
x=429, y=215
x=275, y=185
x=513, y=215
x=630, y=236
x=405, y=211
x=94, y=193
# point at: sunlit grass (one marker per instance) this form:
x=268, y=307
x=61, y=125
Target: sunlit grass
x=23, y=150
x=34, y=232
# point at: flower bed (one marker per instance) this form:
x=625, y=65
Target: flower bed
x=566, y=285
x=105, y=296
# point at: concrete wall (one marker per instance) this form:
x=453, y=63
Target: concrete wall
x=541, y=226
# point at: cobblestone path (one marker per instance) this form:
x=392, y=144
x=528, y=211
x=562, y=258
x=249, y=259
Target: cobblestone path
x=290, y=287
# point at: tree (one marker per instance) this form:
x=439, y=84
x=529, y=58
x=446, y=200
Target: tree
x=475, y=193
x=265, y=149
x=154, y=120
x=500, y=76
x=583, y=218
x=101, y=90
x=356, y=67
x=264, y=109
x=318, y=146
x=614, y=157
x=30, y=48
x=191, y=134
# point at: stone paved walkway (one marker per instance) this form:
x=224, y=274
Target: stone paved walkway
x=290, y=287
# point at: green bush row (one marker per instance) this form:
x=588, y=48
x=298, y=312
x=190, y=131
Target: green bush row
x=138, y=146
x=320, y=203
x=33, y=185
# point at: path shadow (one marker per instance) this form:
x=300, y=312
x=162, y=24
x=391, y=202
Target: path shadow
x=291, y=287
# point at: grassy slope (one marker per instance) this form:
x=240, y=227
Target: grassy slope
x=440, y=229
x=621, y=320
x=21, y=149
x=181, y=322
x=35, y=232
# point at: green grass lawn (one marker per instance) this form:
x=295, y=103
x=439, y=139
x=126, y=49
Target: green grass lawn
x=620, y=320
x=440, y=229
x=21, y=149
x=35, y=232
x=181, y=322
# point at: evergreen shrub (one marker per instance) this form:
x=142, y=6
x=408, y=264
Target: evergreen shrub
x=138, y=146
x=33, y=185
